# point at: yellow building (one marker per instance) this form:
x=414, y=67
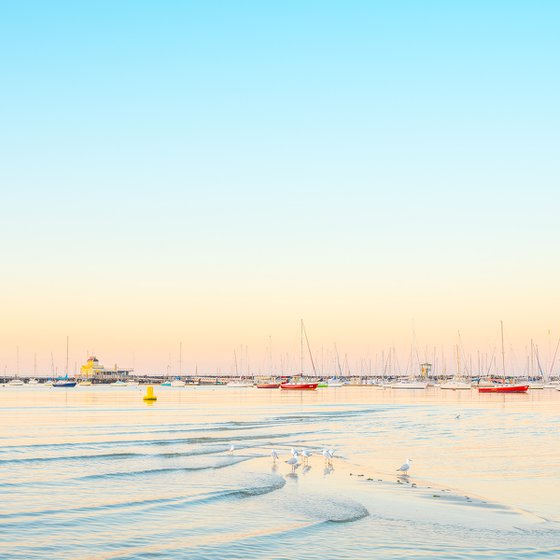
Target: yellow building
x=93, y=369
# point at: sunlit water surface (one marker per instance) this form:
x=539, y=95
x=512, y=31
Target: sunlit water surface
x=94, y=472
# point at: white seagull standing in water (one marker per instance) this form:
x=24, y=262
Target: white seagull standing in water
x=293, y=461
x=404, y=468
x=274, y=455
x=231, y=449
x=306, y=454
x=328, y=455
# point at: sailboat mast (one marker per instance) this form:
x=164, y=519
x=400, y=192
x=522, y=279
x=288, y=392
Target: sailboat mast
x=503, y=351
x=301, y=349
x=180, y=357
x=66, y=355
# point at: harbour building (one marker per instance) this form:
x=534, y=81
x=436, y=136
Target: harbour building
x=92, y=370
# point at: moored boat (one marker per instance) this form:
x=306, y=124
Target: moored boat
x=240, y=383
x=409, y=385
x=64, y=382
x=335, y=382
x=456, y=386
x=534, y=386
x=504, y=388
x=501, y=386
x=299, y=386
x=15, y=383
x=298, y=382
x=268, y=385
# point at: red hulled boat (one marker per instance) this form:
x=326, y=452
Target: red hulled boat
x=297, y=386
x=501, y=386
x=504, y=389
x=297, y=382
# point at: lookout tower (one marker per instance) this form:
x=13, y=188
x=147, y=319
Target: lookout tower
x=425, y=370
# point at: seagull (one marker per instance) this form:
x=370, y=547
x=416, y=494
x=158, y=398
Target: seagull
x=326, y=453
x=274, y=455
x=231, y=449
x=306, y=454
x=458, y=416
x=293, y=461
x=404, y=468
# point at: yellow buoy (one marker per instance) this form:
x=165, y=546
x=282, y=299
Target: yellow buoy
x=149, y=396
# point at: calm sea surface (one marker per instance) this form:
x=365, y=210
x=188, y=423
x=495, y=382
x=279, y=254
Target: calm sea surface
x=94, y=472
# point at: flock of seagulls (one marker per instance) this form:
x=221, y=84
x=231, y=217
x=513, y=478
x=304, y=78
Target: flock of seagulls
x=293, y=461
x=328, y=455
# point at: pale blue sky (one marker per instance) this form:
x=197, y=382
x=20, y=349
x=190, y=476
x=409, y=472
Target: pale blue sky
x=385, y=159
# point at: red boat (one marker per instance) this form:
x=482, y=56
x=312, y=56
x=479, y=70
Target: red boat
x=299, y=386
x=504, y=389
x=268, y=385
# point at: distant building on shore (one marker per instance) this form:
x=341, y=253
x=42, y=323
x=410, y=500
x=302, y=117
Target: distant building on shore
x=92, y=369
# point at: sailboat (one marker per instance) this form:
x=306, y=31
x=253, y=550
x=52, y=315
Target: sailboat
x=456, y=384
x=16, y=381
x=504, y=387
x=297, y=383
x=178, y=382
x=65, y=381
x=412, y=383
x=239, y=380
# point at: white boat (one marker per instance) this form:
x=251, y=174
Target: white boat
x=15, y=383
x=239, y=383
x=456, y=386
x=177, y=383
x=409, y=385
x=457, y=383
x=119, y=383
x=132, y=383
x=33, y=381
x=335, y=382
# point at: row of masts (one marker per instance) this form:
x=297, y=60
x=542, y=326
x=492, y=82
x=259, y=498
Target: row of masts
x=385, y=364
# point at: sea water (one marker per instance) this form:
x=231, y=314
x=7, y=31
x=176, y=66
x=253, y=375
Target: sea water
x=95, y=472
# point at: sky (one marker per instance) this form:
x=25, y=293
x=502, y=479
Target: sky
x=211, y=172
